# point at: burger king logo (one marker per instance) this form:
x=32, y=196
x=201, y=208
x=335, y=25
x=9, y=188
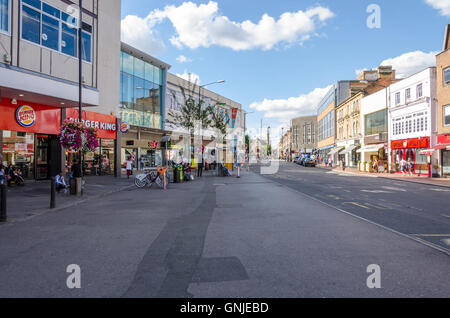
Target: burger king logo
x=124, y=128
x=25, y=116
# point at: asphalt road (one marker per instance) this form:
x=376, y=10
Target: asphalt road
x=417, y=210
x=226, y=238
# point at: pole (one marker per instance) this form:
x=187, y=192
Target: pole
x=80, y=75
x=53, y=194
x=3, y=214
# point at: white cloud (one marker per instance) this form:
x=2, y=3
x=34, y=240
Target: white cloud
x=203, y=26
x=191, y=77
x=285, y=109
x=409, y=63
x=442, y=5
x=139, y=33
x=183, y=59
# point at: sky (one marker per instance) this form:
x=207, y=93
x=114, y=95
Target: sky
x=279, y=58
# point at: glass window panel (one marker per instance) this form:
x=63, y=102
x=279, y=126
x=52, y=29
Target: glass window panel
x=139, y=91
x=447, y=115
x=127, y=90
x=50, y=10
x=149, y=69
x=31, y=25
x=447, y=75
x=157, y=76
x=69, y=40
x=128, y=63
x=86, y=47
x=33, y=3
x=70, y=20
x=139, y=68
x=50, y=32
x=4, y=15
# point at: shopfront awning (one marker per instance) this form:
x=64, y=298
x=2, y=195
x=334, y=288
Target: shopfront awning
x=349, y=149
x=335, y=151
x=371, y=148
x=427, y=152
x=442, y=146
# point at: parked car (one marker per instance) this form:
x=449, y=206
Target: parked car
x=296, y=160
x=302, y=160
x=309, y=162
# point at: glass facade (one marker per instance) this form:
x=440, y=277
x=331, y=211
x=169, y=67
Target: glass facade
x=326, y=126
x=141, y=92
x=45, y=25
x=4, y=15
x=376, y=123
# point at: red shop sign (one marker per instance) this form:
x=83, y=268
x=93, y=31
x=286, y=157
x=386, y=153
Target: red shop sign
x=443, y=139
x=106, y=125
x=411, y=143
x=29, y=117
x=153, y=144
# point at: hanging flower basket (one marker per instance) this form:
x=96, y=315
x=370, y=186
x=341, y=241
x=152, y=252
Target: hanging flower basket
x=75, y=137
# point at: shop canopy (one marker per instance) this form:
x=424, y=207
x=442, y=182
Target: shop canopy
x=443, y=146
x=371, y=148
x=349, y=149
x=335, y=151
x=427, y=152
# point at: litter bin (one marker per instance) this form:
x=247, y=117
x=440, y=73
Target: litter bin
x=73, y=186
x=181, y=173
x=176, y=175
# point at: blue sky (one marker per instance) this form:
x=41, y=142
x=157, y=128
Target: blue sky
x=289, y=63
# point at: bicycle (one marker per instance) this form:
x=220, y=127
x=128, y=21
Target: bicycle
x=149, y=179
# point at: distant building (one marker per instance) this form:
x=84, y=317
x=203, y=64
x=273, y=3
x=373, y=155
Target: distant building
x=304, y=134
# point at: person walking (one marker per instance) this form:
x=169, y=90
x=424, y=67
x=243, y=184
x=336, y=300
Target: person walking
x=129, y=167
x=410, y=167
x=2, y=174
x=343, y=164
x=403, y=164
x=141, y=163
x=200, y=168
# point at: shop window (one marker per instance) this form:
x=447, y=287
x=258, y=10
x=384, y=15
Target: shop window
x=4, y=15
x=447, y=115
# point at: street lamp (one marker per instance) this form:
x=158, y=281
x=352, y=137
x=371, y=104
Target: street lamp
x=209, y=84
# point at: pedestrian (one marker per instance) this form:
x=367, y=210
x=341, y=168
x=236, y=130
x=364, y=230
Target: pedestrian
x=410, y=167
x=2, y=174
x=61, y=183
x=200, y=168
x=129, y=167
x=403, y=164
x=343, y=164
x=141, y=162
x=375, y=165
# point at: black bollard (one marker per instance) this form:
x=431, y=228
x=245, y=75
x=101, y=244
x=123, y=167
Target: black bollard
x=3, y=214
x=53, y=194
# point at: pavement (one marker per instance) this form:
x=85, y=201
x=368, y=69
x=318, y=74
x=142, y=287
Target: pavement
x=221, y=238
x=442, y=182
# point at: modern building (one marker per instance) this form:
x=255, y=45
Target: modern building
x=212, y=150
x=443, y=108
x=39, y=82
x=142, y=107
x=412, y=122
x=304, y=135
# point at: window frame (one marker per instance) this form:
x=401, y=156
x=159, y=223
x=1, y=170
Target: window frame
x=419, y=86
x=8, y=32
x=443, y=74
x=443, y=114
x=60, y=23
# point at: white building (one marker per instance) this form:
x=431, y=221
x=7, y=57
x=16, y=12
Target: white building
x=374, y=130
x=413, y=122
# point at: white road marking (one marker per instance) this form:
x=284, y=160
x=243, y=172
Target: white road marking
x=357, y=204
x=375, y=191
x=394, y=189
x=440, y=190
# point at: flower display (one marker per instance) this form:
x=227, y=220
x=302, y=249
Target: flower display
x=75, y=136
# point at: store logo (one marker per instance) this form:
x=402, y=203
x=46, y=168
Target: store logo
x=124, y=128
x=26, y=116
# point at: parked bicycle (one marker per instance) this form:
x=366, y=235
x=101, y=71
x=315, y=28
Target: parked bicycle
x=150, y=178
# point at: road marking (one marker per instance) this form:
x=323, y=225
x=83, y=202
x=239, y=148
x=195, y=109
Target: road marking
x=394, y=189
x=432, y=235
x=357, y=204
x=375, y=191
x=379, y=207
x=439, y=190
x=334, y=197
x=446, y=216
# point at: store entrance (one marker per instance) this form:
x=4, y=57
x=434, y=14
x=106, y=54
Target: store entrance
x=48, y=156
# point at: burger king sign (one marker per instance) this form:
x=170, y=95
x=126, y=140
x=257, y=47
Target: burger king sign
x=25, y=116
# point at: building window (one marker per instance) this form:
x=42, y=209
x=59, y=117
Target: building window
x=447, y=115
x=45, y=25
x=4, y=15
x=447, y=76
x=376, y=123
x=419, y=91
x=408, y=94
x=397, y=98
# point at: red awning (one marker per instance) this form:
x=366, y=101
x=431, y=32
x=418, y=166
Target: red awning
x=428, y=152
x=443, y=146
